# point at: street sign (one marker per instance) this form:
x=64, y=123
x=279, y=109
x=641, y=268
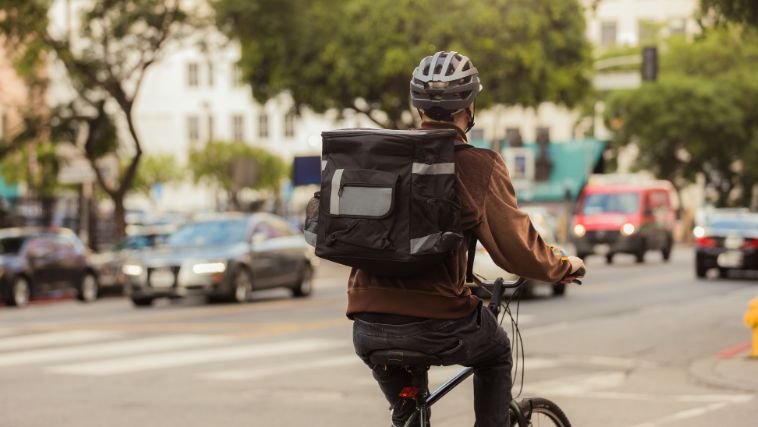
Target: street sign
x=76, y=171
x=617, y=80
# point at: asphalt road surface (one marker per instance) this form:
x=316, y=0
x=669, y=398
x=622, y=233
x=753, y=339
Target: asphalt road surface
x=616, y=351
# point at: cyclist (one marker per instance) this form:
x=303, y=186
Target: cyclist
x=436, y=313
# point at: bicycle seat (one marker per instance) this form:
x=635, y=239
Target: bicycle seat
x=403, y=358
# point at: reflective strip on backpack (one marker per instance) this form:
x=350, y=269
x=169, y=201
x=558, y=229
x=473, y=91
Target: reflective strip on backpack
x=434, y=169
x=425, y=243
x=334, y=198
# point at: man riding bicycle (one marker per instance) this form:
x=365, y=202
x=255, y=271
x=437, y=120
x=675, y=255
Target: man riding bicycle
x=435, y=313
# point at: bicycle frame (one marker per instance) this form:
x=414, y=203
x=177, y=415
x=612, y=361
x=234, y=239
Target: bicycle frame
x=424, y=402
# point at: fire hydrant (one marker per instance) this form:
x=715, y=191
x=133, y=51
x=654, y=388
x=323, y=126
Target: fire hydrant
x=751, y=320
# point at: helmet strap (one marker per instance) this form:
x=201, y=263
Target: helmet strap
x=470, y=120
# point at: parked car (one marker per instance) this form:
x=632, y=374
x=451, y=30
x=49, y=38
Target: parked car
x=486, y=267
x=35, y=261
x=223, y=257
x=726, y=240
x=109, y=264
x=630, y=218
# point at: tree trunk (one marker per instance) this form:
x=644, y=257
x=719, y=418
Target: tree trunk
x=119, y=212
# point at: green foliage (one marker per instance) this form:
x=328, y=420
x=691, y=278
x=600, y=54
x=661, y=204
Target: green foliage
x=37, y=166
x=359, y=54
x=157, y=169
x=212, y=164
x=740, y=11
x=105, y=61
x=701, y=116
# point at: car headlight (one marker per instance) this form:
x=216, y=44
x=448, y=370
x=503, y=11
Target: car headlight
x=699, y=232
x=209, y=268
x=579, y=230
x=132, y=269
x=628, y=229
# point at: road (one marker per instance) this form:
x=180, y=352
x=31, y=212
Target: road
x=616, y=351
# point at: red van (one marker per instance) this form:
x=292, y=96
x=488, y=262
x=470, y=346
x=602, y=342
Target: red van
x=626, y=218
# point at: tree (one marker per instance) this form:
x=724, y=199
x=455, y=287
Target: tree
x=105, y=61
x=157, y=169
x=701, y=116
x=214, y=163
x=740, y=11
x=359, y=54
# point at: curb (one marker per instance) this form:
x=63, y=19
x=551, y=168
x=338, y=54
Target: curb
x=704, y=370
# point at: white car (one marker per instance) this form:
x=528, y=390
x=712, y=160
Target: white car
x=486, y=267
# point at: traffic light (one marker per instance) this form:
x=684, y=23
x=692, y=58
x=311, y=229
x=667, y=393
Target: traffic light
x=649, y=63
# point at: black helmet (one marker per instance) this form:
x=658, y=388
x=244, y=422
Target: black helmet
x=444, y=83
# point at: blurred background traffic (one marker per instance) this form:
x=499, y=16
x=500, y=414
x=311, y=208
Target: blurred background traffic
x=166, y=149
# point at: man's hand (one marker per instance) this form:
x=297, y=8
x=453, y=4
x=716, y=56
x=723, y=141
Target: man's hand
x=577, y=265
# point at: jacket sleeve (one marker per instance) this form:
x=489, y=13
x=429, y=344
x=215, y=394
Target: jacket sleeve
x=509, y=236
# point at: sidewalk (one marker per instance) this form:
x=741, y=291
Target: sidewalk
x=730, y=369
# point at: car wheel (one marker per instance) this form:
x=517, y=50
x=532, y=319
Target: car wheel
x=19, y=293
x=88, y=289
x=700, y=270
x=304, y=286
x=609, y=259
x=242, y=285
x=639, y=256
x=142, y=301
x=666, y=251
x=559, y=289
x=526, y=290
x=723, y=273
x=582, y=256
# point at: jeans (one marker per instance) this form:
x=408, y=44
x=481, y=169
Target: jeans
x=477, y=341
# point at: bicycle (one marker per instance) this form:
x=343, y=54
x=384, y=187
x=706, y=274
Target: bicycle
x=524, y=413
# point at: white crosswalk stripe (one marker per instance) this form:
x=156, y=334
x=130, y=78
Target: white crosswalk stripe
x=175, y=359
x=53, y=338
x=117, y=348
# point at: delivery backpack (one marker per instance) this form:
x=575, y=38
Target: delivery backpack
x=387, y=202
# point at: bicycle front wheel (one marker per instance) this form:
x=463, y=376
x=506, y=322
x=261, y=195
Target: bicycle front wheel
x=539, y=412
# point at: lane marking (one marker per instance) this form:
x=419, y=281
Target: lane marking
x=118, y=348
x=186, y=358
x=53, y=338
x=257, y=373
x=688, y=413
x=578, y=385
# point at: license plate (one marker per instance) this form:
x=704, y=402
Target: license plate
x=162, y=278
x=731, y=259
x=601, y=249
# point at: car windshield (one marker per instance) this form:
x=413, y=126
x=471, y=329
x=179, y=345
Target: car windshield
x=734, y=222
x=11, y=245
x=138, y=242
x=210, y=233
x=625, y=203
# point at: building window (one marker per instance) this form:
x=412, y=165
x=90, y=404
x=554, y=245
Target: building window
x=513, y=136
x=263, y=125
x=647, y=32
x=289, y=124
x=210, y=127
x=607, y=34
x=238, y=129
x=211, y=74
x=193, y=129
x=193, y=77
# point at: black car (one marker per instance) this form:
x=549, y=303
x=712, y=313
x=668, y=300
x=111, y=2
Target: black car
x=727, y=240
x=109, y=264
x=223, y=258
x=37, y=261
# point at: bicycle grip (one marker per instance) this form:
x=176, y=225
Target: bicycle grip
x=581, y=272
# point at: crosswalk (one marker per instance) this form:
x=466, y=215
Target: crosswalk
x=95, y=353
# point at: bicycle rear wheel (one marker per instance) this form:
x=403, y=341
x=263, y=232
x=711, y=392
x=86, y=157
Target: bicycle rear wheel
x=540, y=412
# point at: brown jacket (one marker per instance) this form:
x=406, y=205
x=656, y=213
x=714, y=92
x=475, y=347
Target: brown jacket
x=489, y=208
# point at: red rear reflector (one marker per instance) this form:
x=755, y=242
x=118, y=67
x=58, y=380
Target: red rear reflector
x=750, y=244
x=706, y=242
x=409, y=392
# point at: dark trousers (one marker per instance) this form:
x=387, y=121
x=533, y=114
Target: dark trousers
x=477, y=341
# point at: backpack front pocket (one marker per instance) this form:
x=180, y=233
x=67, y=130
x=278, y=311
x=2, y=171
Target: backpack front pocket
x=362, y=193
